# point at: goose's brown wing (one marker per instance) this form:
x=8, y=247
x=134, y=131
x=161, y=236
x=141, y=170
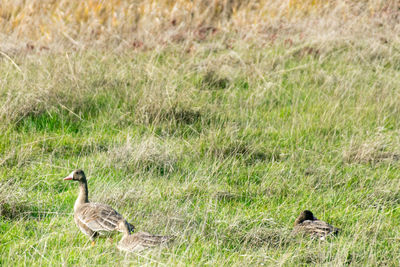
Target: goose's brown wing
x=316, y=228
x=142, y=240
x=99, y=217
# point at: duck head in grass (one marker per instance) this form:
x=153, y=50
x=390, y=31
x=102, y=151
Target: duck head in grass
x=305, y=215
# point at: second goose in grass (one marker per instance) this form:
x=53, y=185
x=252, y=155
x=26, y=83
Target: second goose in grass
x=141, y=240
x=307, y=223
x=94, y=218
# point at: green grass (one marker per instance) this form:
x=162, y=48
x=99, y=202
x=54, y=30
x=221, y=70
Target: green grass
x=221, y=147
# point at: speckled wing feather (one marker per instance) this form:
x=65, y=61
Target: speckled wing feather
x=99, y=217
x=142, y=240
x=317, y=228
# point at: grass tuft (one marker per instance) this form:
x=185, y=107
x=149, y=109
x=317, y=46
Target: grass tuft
x=147, y=154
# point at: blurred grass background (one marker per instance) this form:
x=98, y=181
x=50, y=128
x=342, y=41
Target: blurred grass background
x=134, y=23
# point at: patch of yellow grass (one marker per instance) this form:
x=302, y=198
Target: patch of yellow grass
x=49, y=21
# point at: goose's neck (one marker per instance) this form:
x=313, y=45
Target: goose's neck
x=126, y=232
x=124, y=226
x=299, y=220
x=83, y=195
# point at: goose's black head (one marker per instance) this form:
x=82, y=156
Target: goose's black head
x=305, y=215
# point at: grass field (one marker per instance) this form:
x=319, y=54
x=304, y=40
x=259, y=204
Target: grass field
x=220, y=140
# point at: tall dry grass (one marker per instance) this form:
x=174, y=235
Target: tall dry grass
x=143, y=24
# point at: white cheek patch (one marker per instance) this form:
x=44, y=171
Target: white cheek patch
x=71, y=174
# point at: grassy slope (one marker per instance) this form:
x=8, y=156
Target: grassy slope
x=222, y=147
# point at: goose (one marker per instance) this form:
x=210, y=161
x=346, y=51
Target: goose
x=307, y=223
x=95, y=218
x=140, y=241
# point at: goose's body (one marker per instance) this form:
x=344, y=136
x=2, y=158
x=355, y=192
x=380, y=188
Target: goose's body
x=94, y=218
x=141, y=240
x=308, y=224
x=97, y=217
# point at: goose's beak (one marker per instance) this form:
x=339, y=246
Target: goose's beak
x=69, y=177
